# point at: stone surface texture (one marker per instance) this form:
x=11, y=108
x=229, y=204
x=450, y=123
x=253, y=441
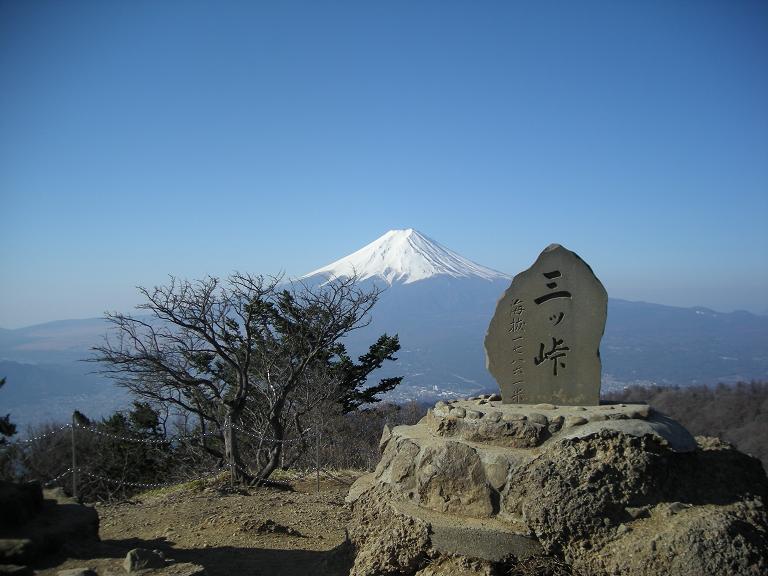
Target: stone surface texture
x=543, y=342
x=517, y=487
x=387, y=541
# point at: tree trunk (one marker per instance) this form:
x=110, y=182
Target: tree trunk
x=231, y=452
x=275, y=452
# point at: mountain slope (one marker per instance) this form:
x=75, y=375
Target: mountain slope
x=406, y=256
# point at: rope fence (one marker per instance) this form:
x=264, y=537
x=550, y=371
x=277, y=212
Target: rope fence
x=36, y=438
x=170, y=440
x=149, y=484
x=74, y=470
x=84, y=472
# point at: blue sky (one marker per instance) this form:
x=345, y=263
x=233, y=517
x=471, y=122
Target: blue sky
x=146, y=138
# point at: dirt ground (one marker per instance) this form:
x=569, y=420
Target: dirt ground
x=226, y=532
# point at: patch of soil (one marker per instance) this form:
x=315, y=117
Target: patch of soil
x=256, y=532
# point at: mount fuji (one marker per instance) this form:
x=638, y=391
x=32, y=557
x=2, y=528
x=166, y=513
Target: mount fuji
x=440, y=304
x=406, y=256
x=437, y=301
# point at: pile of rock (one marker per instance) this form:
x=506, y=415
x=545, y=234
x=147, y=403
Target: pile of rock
x=480, y=484
x=611, y=489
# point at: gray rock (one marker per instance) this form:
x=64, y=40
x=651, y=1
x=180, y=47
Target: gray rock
x=725, y=539
x=545, y=406
x=451, y=478
x=458, y=412
x=658, y=425
x=514, y=417
x=517, y=433
x=397, y=464
x=386, y=434
x=555, y=424
x=142, y=559
x=493, y=416
x=542, y=344
x=76, y=572
x=473, y=414
x=572, y=421
x=608, y=503
x=537, y=418
x=359, y=487
x=496, y=466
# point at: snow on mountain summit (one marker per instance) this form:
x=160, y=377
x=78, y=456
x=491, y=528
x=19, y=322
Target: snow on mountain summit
x=406, y=256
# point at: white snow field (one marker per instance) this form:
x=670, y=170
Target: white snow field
x=406, y=256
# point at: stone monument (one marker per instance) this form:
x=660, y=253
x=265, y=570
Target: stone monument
x=543, y=342
x=544, y=475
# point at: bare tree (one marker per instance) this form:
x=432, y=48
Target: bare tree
x=244, y=354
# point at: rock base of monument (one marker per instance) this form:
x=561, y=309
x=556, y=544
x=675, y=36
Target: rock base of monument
x=496, y=484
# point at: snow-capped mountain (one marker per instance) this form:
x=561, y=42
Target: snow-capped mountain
x=436, y=300
x=406, y=256
x=440, y=304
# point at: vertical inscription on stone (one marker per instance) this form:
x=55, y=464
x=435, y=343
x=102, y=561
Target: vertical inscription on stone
x=543, y=342
x=517, y=335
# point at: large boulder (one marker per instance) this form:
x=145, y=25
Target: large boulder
x=607, y=490
x=683, y=540
x=617, y=504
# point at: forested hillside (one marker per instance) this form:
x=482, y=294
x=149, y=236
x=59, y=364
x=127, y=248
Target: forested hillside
x=736, y=413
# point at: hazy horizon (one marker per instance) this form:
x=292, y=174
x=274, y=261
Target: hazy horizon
x=146, y=139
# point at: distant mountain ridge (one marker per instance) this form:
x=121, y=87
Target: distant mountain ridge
x=440, y=304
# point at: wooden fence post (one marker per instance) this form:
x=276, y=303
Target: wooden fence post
x=317, y=448
x=74, y=457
